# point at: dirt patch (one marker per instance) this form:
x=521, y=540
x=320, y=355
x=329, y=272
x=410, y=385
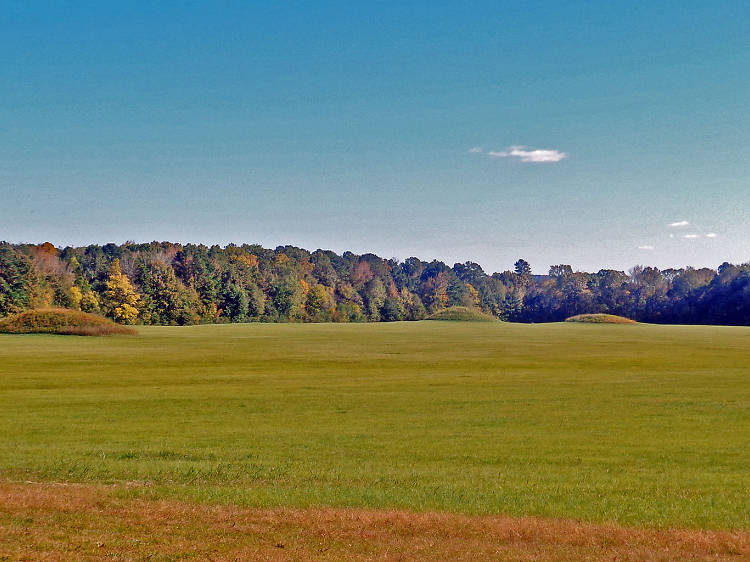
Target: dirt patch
x=64, y=522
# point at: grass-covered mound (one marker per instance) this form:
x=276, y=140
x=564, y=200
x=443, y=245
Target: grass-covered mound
x=600, y=319
x=61, y=321
x=462, y=314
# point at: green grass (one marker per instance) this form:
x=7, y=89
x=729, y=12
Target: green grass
x=644, y=425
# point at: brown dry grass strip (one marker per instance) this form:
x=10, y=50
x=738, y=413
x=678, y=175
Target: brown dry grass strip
x=76, y=522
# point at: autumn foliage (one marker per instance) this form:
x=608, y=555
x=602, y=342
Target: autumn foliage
x=120, y=298
x=163, y=283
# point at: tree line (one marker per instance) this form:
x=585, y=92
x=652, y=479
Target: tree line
x=166, y=283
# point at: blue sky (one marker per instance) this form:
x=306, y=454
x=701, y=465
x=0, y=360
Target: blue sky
x=348, y=125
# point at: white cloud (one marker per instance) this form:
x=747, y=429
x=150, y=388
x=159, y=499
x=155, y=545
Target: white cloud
x=711, y=235
x=535, y=156
x=692, y=236
x=476, y=150
x=678, y=224
x=646, y=247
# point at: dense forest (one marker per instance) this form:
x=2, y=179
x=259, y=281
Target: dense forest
x=167, y=283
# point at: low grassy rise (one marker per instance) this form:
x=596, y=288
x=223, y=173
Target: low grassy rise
x=462, y=314
x=600, y=318
x=62, y=321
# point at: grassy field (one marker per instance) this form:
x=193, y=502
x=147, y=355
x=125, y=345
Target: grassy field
x=87, y=522
x=634, y=424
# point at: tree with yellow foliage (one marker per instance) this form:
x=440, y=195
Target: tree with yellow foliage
x=473, y=297
x=319, y=303
x=82, y=297
x=120, y=301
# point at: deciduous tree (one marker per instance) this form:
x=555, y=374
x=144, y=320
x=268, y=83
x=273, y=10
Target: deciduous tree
x=120, y=300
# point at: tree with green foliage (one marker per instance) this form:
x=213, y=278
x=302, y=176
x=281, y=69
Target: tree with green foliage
x=319, y=304
x=82, y=296
x=15, y=270
x=164, y=300
x=522, y=268
x=196, y=283
x=374, y=296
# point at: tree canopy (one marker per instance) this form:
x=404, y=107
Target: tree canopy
x=166, y=283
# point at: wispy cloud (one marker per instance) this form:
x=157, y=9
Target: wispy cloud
x=646, y=247
x=692, y=236
x=678, y=224
x=524, y=154
x=711, y=235
x=476, y=150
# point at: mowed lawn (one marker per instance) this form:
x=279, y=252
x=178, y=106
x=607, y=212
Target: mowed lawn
x=634, y=424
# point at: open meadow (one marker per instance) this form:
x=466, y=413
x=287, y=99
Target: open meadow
x=640, y=426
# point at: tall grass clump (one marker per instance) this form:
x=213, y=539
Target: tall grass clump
x=61, y=321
